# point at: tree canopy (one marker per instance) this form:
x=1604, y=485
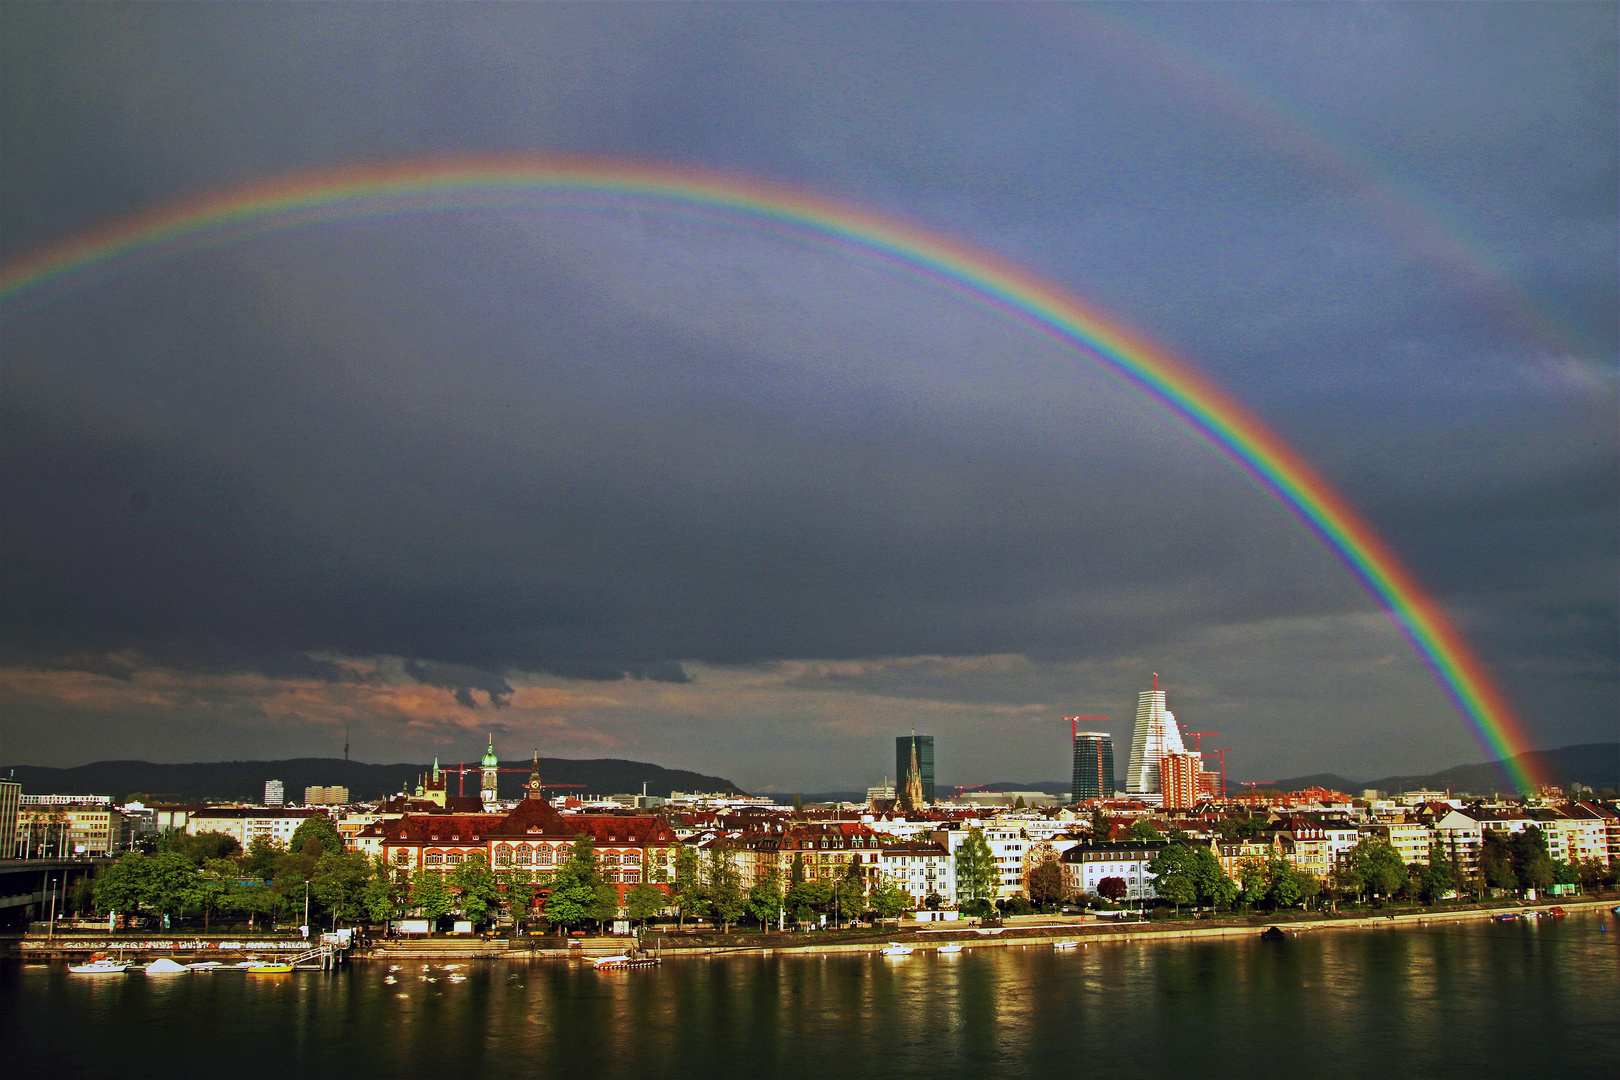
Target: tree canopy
x=977, y=875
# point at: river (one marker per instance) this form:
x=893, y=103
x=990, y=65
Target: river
x=1474, y=1000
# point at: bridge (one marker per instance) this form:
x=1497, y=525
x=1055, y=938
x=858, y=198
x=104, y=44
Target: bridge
x=26, y=886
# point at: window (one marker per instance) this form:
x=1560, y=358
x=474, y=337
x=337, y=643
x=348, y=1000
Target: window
x=454, y=858
x=524, y=855
x=503, y=855
x=542, y=856
x=433, y=859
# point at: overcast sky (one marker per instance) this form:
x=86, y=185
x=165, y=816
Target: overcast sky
x=634, y=483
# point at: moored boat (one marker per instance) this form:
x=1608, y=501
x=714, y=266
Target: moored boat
x=99, y=965
x=953, y=947
x=895, y=948
x=270, y=967
x=165, y=966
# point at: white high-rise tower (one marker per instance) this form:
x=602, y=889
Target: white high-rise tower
x=1156, y=735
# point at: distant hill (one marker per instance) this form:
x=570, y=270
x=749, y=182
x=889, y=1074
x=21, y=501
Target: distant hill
x=1597, y=765
x=244, y=780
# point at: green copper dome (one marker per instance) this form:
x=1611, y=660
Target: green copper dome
x=490, y=760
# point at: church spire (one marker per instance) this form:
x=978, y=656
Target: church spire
x=536, y=791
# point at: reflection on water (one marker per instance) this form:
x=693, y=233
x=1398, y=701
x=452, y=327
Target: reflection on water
x=1447, y=1000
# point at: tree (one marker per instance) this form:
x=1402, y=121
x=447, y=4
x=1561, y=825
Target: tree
x=1112, y=888
x=1046, y=884
x=688, y=892
x=316, y=827
x=849, y=895
x=1018, y=804
x=796, y=870
x=1375, y=864
x=169, y=882
x=643, y=902
x=723, y=889
x=124, y=886
x=889, y=900
x=260, y=858
x=380, y=897
x=1102, y=828
x=765, y=898
x=430, y=895
x=338, y=884
x=1175, y=875
x=1496, y=861
x=1255, y=880
x=1143, y=832
x=202, y=847
x=977, y=875
x=604, y=907
x=574, y=898
x=211, y=887
x=798, y=803
x=1532, y=866
x=1283, y=884
x=475, y=882
x=809, y=897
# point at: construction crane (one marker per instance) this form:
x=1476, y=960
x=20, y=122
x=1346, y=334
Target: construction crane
x=960, y=788
x=1252, y=784
x=1223, y=754
x=1074, y=724
x=1198, y=741
x=461, y=770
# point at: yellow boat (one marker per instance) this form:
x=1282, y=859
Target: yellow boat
x=270, y=969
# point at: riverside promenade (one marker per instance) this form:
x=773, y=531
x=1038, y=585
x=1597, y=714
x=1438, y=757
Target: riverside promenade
x=1051, y=933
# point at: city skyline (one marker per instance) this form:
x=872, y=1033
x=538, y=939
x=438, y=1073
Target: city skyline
x=623, y=478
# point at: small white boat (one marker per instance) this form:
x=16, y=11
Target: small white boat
x=99, y=966
x=1065, y=944
x=894, y=948
x=165, y=966
x=953, y=947
x=205, y=965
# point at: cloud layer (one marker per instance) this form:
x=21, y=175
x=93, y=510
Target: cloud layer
x=731, y=500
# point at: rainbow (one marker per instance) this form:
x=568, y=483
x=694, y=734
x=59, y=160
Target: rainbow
x=460, y=183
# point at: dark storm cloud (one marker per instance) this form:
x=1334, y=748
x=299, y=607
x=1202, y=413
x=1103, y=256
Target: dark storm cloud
x=462, y=681
x=597, y=446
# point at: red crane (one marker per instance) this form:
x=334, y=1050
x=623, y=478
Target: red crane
x=1198, y=742
x=1223, y=754
x=461, y=769
x=1074, y=723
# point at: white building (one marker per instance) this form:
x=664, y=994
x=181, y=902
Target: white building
x=274, y=793
x=1156, y=735
x=920, y=869
x=1086, y=866
x=1008, y=844
x=248, y=823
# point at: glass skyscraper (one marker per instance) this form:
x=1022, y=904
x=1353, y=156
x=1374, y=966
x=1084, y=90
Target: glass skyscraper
x=1093, y=766
x=925, y=762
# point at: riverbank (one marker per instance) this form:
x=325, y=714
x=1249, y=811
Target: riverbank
x=1052, y=935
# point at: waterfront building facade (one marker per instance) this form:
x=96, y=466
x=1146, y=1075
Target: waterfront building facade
x=920, y=869
x=1086, y=866
x=249, y=823
x=64, y=825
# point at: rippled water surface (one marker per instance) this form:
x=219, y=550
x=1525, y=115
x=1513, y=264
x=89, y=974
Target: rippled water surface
x=1449, y=1000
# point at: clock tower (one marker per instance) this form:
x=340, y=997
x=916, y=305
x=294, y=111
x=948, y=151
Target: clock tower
x=491, y=768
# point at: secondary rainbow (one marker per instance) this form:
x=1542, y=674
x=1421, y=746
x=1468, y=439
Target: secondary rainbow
x=459, y=183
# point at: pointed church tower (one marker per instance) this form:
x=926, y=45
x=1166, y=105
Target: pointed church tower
x=491, y=772
x=536, y=789
x=911, y=793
